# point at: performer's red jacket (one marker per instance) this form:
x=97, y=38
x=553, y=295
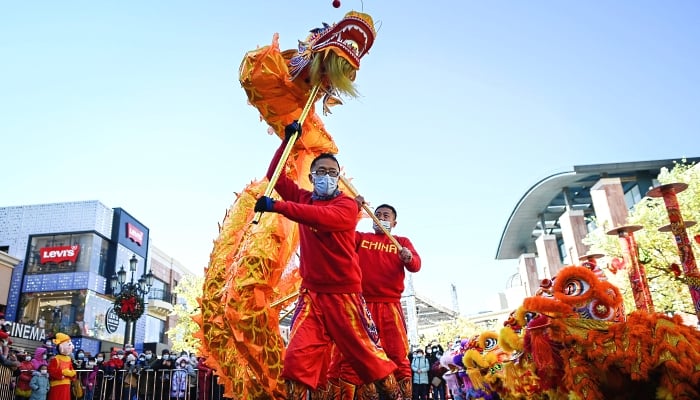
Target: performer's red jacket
x=328, y=262
x=382, y=269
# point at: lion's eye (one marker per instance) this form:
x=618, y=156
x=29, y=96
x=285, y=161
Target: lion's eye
x=576, y=287
x=490, y=343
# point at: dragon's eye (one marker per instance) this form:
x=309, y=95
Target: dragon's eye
x=576, y=287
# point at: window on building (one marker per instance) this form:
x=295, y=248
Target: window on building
x=591, y=225
x=74, y=252
x=633, y=196
x=55, y=312
x=155, y=330
x=562, y=250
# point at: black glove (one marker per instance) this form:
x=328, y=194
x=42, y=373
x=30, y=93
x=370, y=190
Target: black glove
x=264, y=204
x=290, y=129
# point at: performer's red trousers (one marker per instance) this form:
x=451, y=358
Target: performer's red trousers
x=323, y=319
x=391, y=325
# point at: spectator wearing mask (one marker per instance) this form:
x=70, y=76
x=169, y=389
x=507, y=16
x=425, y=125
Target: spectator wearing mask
x=129, y=349
x=23, y=390
x=111, y=367
x=433, y=352
x=179, y=384
x=194, y=361
x=131, y=364
x=99, y=359
x=40, y=383
x=147, y=379
x=80, y=360
x=149, y=359
x=163, y=368
x=115, y=363
x=420, y=367
x=40, y=358
x=130, y=378
x=89, y=378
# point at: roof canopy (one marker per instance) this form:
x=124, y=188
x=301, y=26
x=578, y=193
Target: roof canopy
x=539, y=209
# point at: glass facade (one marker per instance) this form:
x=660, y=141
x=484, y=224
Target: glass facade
x=72, y=252
x=55, y=312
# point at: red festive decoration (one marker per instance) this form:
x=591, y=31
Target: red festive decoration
x=697, y=239
x=336, y=3
x=617, y=264
x=129, y=306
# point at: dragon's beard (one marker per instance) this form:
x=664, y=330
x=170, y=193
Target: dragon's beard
x=334, y=73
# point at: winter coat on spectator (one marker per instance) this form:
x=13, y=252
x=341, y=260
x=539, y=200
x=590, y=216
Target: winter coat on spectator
x=25, y=376
x=39, y=385
x=38, y=359
x=420, y=363
x=179, y=385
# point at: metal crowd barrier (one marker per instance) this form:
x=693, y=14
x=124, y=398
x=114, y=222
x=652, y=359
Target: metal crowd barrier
x=144, y=384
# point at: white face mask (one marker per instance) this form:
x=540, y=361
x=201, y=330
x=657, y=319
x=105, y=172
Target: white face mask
x=325, y=185
x=149, y=356
x=99, y=359
x=27, y=358
x=385, y=224
x=44, y=372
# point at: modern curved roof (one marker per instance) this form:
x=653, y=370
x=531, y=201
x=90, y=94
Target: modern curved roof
x=547, y=200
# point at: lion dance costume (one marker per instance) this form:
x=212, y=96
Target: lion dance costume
x=573, y=341
x=252, y=273
x=60, y=368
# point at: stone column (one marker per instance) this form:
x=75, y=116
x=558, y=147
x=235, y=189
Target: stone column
x=528, y=273
x=609, y=203
x=573, y=230
x=548, y=253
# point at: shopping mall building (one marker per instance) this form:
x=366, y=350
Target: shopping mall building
x=56, y=261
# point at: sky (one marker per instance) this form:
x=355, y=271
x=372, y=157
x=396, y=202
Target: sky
x=464, y=106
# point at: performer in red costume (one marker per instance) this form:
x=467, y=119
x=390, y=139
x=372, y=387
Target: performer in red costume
x=384, y=268
x=330, y=308
x=61, y=370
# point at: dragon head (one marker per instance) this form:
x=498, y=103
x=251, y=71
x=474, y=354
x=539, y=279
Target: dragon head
x=350, y=38
x=330, y=56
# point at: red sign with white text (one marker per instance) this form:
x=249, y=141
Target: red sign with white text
x=134, y=233
x=59, y=254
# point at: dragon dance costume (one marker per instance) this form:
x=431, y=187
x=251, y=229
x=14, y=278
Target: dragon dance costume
x=252, y=273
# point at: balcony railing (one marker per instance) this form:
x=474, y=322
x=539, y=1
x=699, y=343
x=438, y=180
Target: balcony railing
x=163, y=295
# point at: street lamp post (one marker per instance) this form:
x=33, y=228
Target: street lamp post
x=129, y=296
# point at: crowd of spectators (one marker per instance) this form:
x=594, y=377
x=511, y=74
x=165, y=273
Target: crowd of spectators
x=121, y=374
